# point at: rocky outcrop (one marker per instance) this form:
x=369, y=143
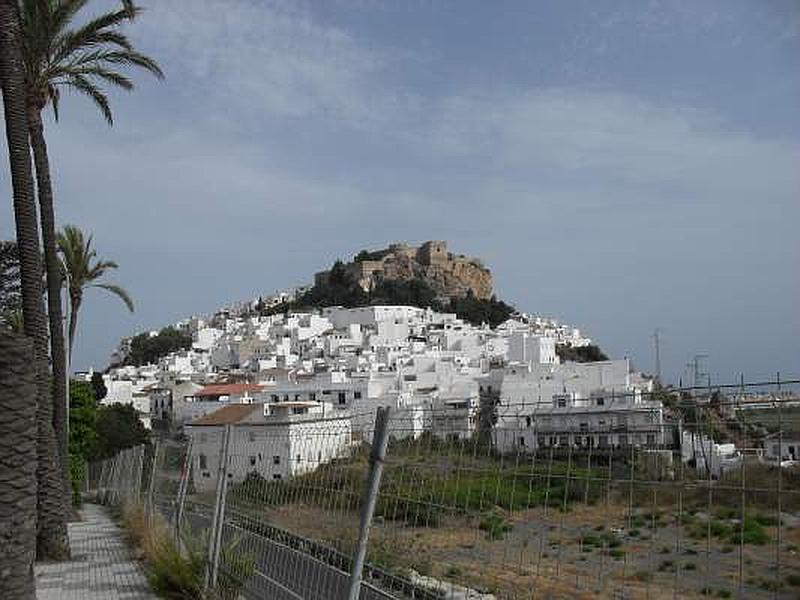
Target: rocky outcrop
x=449, y=275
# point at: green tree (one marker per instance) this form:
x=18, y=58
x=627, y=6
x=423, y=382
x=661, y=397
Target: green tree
x=580, y=354
x=413, y=292
x=60, y=53
x=51, y=539
x=99, y=386
x=479, y=311
x=84, y=270
x=82, y=432
x=147, y=349
x=118, y=428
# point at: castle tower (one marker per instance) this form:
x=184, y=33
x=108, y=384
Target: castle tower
x=433, y=252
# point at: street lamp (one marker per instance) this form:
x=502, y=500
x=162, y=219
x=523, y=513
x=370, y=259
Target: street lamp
x=66, y=343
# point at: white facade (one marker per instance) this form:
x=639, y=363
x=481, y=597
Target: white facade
x=274, y=441
x=524, y=347
x=573, y=404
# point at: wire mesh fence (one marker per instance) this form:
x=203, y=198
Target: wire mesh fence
x=680, y=493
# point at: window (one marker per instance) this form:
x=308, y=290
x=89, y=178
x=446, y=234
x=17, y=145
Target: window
x=357, y=395
x=563, y=440
x=601, y=401
x=252, y=461
x=203, y=438
x=277, y=476
x=312, y=396
x=276, y=460
x=299, y=410
x=521, y=440
x=561, y=402
x=584, y=427
x=203, y=462
x=342, y=398
x=274, y=397
x=251, y=436
x=603, y=441
x=651, y=439
x=528, y=421
x=297, y=458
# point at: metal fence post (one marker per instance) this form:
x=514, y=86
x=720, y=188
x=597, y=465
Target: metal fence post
x=183, y=486
x=215, y=535
x=376, y=459
x=139, y=473
x=150, y=507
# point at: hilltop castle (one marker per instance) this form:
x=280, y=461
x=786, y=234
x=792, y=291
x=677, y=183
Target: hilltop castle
x=449, y=275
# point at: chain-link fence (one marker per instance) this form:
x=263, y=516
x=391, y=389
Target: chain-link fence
x=670, y=494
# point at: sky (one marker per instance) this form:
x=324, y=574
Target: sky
x=621, y=166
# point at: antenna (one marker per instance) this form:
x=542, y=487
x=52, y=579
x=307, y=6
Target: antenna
x=657, y=344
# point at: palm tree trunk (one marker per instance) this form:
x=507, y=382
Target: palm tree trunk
x=17, y=467
x=51, y=539
x=74, y=307
x=54, y=280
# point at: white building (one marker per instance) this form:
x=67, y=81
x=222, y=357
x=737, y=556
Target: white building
x=524, y=347
x=573, y=404
x=275, y=441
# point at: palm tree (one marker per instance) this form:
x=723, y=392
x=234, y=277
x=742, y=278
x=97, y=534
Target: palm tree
x=83, y=271
x=51, y=537
x=18, y=448
x=82, y=58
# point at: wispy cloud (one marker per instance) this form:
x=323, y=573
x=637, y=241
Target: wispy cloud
x=266, y=58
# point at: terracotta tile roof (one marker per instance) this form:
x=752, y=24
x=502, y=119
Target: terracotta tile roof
x=228, y=389
x=227, y=415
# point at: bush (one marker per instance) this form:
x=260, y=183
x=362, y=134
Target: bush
x=495, y=525
x=176, y=574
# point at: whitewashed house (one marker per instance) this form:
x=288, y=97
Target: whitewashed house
x=276, y=441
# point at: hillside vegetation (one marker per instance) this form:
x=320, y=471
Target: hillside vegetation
x=341, y=289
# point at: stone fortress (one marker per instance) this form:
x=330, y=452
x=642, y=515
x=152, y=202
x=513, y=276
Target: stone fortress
x=449, y=275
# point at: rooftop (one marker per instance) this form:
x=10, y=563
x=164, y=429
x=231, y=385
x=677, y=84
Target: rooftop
x=227, y=415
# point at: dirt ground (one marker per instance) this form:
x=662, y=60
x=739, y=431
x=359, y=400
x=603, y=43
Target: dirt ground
x=541, y=554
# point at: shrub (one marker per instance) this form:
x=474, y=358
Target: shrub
x=666, y=565
x=495, y=525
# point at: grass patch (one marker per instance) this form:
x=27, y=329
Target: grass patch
x=176, y=573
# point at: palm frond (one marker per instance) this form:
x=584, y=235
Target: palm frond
x=92, y=34
x=84, y=86
x=86, y=57
x=118, y=291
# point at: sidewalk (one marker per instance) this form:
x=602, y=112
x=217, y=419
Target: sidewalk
x=102, y=567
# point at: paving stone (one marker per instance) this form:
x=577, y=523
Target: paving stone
x=102, y=566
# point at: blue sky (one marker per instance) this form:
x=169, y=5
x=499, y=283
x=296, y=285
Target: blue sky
x=619, y=165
